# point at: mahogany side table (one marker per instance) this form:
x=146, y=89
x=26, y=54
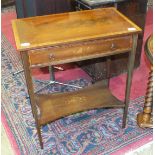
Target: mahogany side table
x=145, y=118
x=71, y=37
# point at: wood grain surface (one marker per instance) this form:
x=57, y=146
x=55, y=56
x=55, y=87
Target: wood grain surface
x=52, y=107
x=78, y=52
x=50, y=30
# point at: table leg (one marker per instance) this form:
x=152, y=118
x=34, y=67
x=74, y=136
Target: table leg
x=145, y=119
x=51, y=72
x=108, y=70
x=29, y=82
x=129, y=77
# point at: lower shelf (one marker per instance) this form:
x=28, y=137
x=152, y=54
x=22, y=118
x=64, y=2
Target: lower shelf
x=55, y=106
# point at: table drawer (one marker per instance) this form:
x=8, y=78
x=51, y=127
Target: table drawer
x=79, y=51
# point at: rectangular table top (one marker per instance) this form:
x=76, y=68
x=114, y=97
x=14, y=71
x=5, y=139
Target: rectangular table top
x=55, y=29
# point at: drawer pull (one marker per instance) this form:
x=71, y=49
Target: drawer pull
x=113, y=46
x=51, y=56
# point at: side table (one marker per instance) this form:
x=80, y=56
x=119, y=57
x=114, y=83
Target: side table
x=145, y=118
x=71, y=37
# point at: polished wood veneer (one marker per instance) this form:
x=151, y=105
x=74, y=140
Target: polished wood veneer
x=78, y=52
x=71, y=37
x=52, y=107
x=43, y=31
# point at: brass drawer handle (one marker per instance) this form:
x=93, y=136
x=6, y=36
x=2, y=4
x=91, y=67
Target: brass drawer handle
x=113, y=46
x=51, y=56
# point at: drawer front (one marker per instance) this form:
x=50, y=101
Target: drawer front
x=79, y=51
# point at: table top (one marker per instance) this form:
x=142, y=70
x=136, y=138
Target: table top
x=55, y=29
x=149, y=48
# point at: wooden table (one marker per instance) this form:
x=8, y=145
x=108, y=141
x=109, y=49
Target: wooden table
x=145, y=118
x=71, y=37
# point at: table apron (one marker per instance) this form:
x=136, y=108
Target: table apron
x=79, y=51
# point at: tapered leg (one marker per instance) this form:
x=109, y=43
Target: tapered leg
x=39, y=135
x=51, y=72
x=29, y=82
x=108, y=70
x=129, y=78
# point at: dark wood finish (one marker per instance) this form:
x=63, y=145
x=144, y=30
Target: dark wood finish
x=5, y=3
x=55, y=106
x=28, y=76
x=129, y=77
x=145, y=118
x=108, y=70
x=111, y=34
x=29, y=8
x=53, y=6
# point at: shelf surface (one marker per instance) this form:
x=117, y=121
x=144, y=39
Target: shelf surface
x=55, y=106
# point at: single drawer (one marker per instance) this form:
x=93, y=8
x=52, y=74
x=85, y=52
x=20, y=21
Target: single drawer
x=79, y=51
